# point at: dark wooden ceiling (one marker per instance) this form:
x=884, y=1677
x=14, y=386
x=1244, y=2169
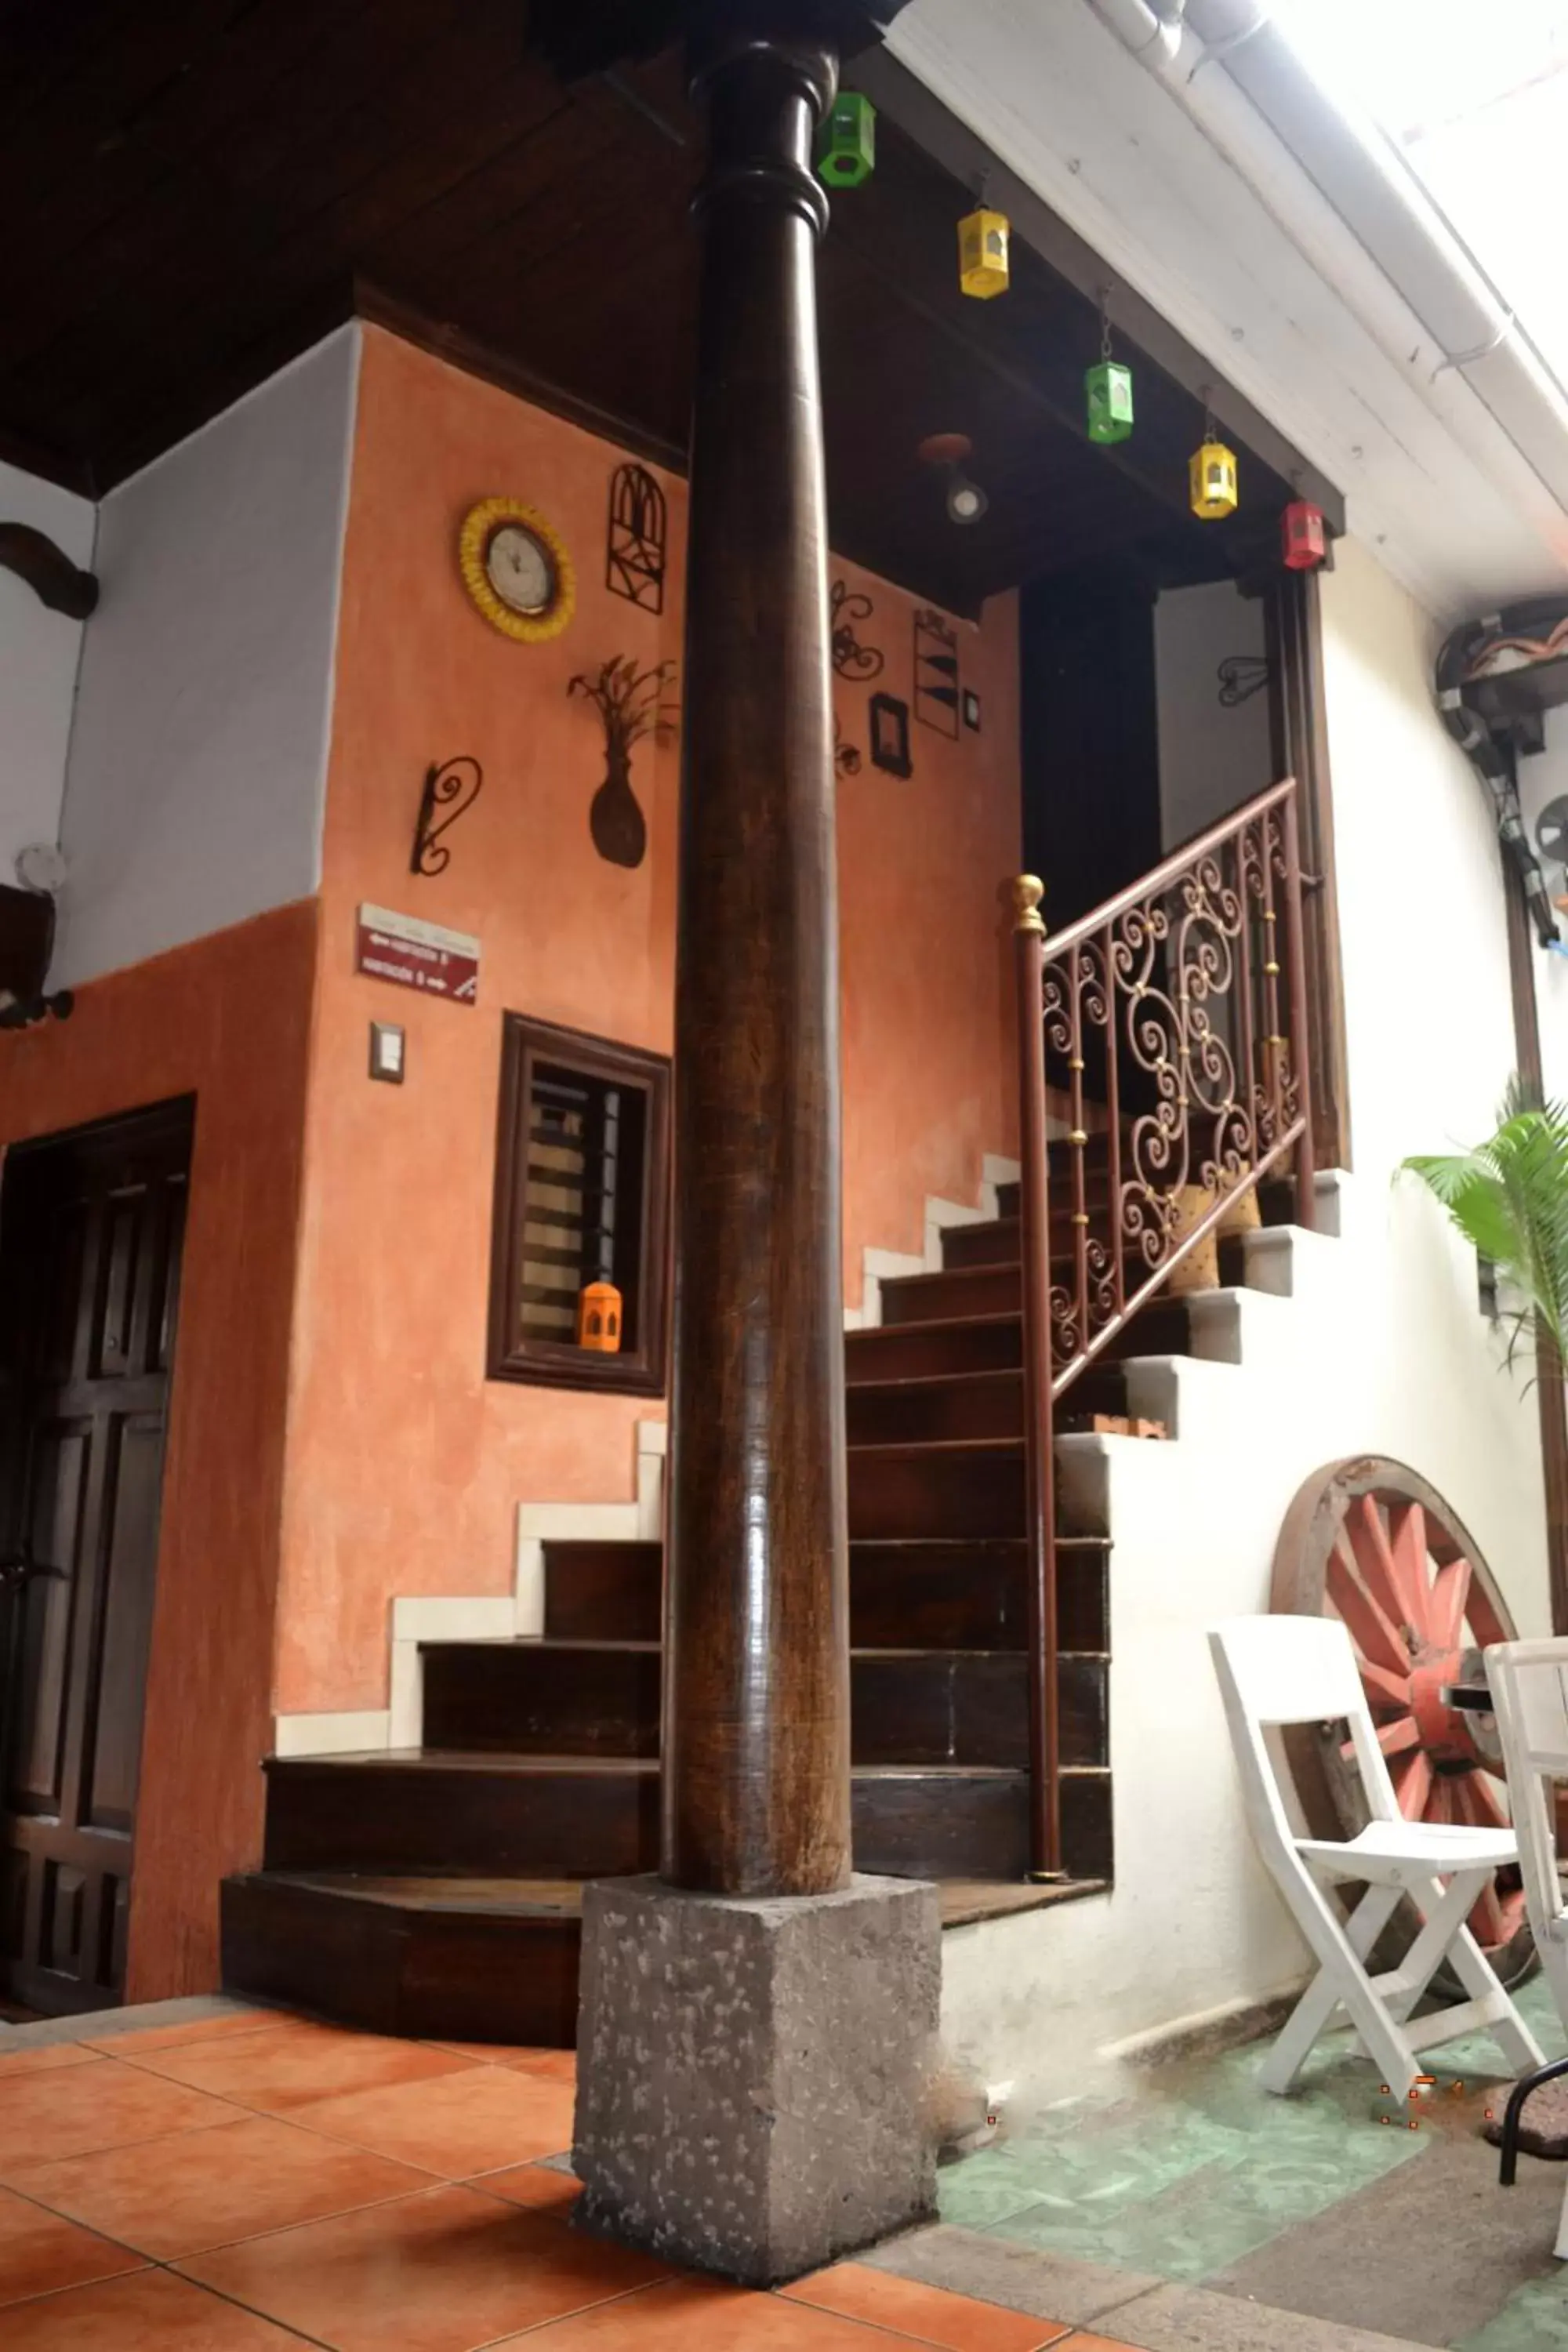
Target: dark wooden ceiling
x=198, y=190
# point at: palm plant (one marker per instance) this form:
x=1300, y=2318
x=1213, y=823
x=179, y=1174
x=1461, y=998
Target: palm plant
x=1510, y=1198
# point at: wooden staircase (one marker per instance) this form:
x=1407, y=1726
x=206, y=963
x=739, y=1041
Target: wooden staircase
x=436, y=1891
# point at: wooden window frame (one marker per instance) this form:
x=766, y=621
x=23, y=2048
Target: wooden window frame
x=637, y=1371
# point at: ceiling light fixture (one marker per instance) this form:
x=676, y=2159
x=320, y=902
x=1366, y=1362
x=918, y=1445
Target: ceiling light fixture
x=966, y=501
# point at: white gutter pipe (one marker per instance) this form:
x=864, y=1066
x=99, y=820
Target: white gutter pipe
x=1365, y=223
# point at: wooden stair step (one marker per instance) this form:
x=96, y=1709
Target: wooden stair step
x=417, y=1810
x=913, y=1350
x=948, y=1594
x=611, y=1590
x=963, y=1405
x=545, y=1697
x=941, y=1592
x=462, y=1959
x=908, y=1704
x=466, y=1959
x=965, y=1488
x=973, y=1291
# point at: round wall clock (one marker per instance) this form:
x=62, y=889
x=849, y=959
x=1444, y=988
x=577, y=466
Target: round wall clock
x=517, y=570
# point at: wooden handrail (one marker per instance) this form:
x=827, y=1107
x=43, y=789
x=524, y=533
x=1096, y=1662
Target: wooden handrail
x=1192, y=983
x=1170, y=870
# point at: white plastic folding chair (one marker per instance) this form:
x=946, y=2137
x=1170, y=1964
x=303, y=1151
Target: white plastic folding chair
x=1277, y=1670
x=1529, y=1684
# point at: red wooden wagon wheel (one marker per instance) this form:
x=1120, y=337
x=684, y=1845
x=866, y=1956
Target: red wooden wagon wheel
x=1372, y=1543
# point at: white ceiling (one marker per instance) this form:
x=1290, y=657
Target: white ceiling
x=1256, y=271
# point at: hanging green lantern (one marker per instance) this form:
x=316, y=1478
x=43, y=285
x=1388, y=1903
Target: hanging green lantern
x=1108, y=386
x=847, y=149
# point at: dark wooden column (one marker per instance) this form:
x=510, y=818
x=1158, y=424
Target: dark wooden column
x=757, y=1754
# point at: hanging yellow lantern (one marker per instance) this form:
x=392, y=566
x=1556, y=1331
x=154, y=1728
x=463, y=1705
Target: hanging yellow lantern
x=983, y=237
x=1212, y=479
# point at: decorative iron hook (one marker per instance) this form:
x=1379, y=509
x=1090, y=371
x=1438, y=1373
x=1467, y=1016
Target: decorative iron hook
x=447, y=786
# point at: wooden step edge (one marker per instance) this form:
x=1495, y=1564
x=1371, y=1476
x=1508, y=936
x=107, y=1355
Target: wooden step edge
x=571, y=1643
x=948, y=1449
x=974, y=1543
x=966, y=1903
x=918, y=1383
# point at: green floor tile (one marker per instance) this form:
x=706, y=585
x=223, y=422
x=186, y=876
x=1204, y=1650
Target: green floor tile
x=1534, y=2320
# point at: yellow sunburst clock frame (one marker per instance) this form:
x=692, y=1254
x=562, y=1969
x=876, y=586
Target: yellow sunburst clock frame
x=518, y=570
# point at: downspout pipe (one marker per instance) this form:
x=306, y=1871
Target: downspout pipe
x=1491, y=749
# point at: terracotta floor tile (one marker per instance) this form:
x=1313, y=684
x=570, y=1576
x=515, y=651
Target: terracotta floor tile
x=490, y=2053
x=931, y=2313
x=45, y=2061
x=39, y=2252
x=692, y=2315
x=83, y=2109
x=281, y=2067
x=539, y=2185
x=550, y=2065
x=184, y=2195
x=442, y=2272
x=144, y=2039
x=462, y=2124
x=151, y=2312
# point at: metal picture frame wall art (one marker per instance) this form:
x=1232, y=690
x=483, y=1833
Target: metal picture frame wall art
x=890, y=724
x=639, y=533
x=936, y=674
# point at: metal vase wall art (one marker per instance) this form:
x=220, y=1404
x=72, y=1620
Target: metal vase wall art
x=631, y=703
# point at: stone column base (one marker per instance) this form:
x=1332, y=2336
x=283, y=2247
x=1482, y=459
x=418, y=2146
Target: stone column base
x=754, y=2077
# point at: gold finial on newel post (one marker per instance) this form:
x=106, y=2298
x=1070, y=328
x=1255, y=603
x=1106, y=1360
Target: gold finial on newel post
x=1027, y=891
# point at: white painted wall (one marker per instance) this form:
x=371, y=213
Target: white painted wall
x=39, y=655
x=197, y=767
x=1211, y=758
x=1381, y=1349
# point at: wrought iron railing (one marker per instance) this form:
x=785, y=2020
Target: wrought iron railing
x=1184, y=1001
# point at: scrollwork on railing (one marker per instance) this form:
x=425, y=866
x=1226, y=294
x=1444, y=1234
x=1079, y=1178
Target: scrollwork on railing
x=1165, y=1015
x=1163, y=1072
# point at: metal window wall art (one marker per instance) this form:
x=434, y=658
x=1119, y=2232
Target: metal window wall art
x=639, y=538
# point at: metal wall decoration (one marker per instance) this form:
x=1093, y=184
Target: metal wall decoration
x=639, y=529
x=631, y=703
x=453, y=785
x=846, y=756
x=850, y=657
x=1241, y=676
x=936, y=673
x=890, y=735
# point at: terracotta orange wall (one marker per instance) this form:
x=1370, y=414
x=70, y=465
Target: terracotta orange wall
x=227, y=1020
x=404, y=1463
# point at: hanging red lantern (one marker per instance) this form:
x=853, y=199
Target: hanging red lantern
x=1304, y=536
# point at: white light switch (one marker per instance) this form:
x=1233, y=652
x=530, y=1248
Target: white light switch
x=386, y=1052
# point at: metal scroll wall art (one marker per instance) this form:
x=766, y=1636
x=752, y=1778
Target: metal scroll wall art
x=451, y=788
x=851, y=660
x=1181, y=1008
x=1241, y=676
x=631, y=703
x=639, y=531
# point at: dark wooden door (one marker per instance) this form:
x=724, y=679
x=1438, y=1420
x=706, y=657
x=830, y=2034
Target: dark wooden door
x=91, y=1228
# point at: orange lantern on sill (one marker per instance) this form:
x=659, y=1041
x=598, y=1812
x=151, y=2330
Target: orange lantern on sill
x=1304, y=538
x=599, y=1318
